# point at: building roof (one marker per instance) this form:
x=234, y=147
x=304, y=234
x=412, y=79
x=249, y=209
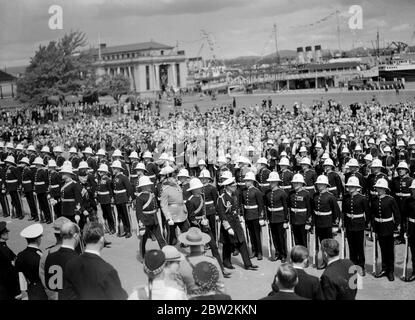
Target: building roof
x=5, y=77
x=16, y=71
x=133, y=47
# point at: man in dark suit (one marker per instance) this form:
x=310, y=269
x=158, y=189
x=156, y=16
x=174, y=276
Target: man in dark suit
x=285, y=280
x=9, y=280
x=308, y=286
x=55, y=262
x=338, y=280
x=89, y=277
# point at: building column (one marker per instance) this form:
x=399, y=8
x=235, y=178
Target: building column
x=118, y=70
x=170, y=75
x=157, y=77
x=288, y=84
x=133, y=84
x=174, y=77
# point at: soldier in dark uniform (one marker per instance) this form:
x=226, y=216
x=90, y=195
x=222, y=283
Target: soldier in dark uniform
x=9, y=280
x=240, y=173
x=365, y=168
x=20, y=152
x=146, y=213
x=28, y=180
x=310, y=175
x=90, y=160
x=262, y=175
x=388, y=161
x=32, y=155
x=55, y=185
x=210, y=194
x=252, y=200
x=102, y=159
x=401, y=153
x=74, y=159
x=232, y=234
x=354, y=172
x=117, y=156
x=70, y=194
x=356, y=216
x=152, y=168
x=123, y=191
x=3, y=199
x=326, y=210
x=196, y=210
x=276, y=202
x=27, y=262
x=386, y=218
x=59, y=159
x=104, y=196
x=299, y=202
x=45, y=155
x=183, y=180
x=286, y=175
x=133, y=171
x=41, y=189
x=336, y=185
x=12, y=183
x=401, y=192
x=88, y=189
x=411, y=154
x=229, y=164
x=140, y=171
x=411, y=229
x=374, y=177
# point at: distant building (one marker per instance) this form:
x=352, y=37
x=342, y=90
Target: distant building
x=7, y=85
x=151, y=66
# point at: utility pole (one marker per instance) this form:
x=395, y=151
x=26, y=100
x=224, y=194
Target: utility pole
x=377, y=44
x=276, y=56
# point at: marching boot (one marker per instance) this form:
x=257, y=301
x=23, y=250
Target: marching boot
x=226, y=274
x=259, y=257
x=391, y=276
x=228, y=266
x=252, y=267
x=235, y=252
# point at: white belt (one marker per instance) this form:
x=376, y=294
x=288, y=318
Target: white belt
x=153, y=176
x=309, y=187
x=175, y=204
x=403, y=194
x=54, y=186
x=373, y=193
x=296, y=210
x=101, y=193
x=411, y=220
x=383, y=220
x=209, y=202
x=285, y=187
x=120, y=191
x=276, y=209
x=251, y=207
x=11, y=181
x=354, y=216
x=264, y=184
x=319, y=213
x=332, y=188
x=241, y=183
x=39, y=183
x=133, y=175
x=68, y=200
x=150, y=212
x=26, y=181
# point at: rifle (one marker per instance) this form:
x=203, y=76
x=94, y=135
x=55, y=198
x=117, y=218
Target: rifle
x=267, y=236
x=117, y=223
x=406, y=259
x=218, y=225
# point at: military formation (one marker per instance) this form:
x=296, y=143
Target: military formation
x=297, y=193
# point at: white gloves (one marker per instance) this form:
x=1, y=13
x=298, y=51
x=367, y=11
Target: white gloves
x=307, y=227
x=205, y=222
x=86, y=213
x=170, y=222
x=285, y=225
x=231, y=232
x=261, y=222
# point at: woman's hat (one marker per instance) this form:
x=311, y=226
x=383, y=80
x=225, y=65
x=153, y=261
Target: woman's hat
x=194, y=237
x=172, y=254
x=206, y=275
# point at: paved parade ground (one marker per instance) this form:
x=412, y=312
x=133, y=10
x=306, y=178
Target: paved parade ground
x=243, y=284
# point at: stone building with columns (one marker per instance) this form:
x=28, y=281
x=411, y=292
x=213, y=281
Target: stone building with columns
x=151, y=66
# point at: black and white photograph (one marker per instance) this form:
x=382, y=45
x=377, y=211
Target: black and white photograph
x=207, y=150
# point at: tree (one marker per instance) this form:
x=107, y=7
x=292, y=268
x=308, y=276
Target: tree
x=58, y=69
x=114, y=86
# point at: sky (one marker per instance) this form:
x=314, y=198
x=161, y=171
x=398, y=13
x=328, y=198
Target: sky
x=235, y=27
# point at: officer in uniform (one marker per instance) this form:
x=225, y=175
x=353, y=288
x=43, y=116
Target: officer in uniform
x=146, y=213
x=286, y=175
x=365, y=168
x=326, y=210
x=232, y=234
x=27, y=263
x=276, y=202
x=210, y=194
x=196, y=210
x=88, y=190
x=336, y=185
x=386, y=217
x=374, y=177
x=20, y=152
x=152, y=168
x=102, y=159
x=41, y=189
x=310, y=175
x=401, y=192
x=117, y=155
x=70, y=194
x=240, y=173
x=389, y=161
x=411, y=229
x=74, y=159
x=123, y=191
x=140, y=171
x=55, y=184
x=45, y=155
x=27, y=188
x=183, y=180
x=133, y=171
x=220, y=168
x=12, y=182
x=401, y=153
x=252, y=200
x=262, y=175
x=9, y=280
x=104, y=196
x=32, y=155
x=356, y=215
x=172, y=205
x=299, y=202
x=90, y=160
x=354, y=172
